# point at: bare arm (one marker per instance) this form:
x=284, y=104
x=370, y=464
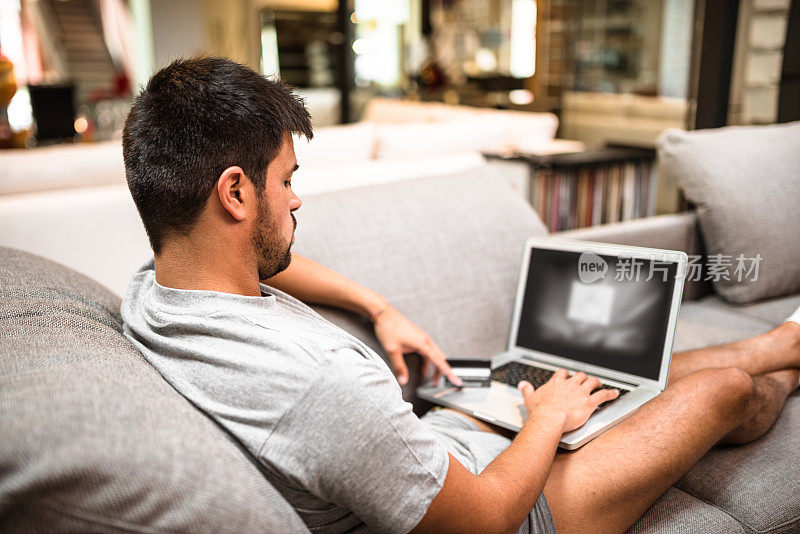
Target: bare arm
x=499, y=499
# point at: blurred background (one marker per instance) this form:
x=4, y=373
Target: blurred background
x=567, y=98
x=564, y=100
x=71, y=67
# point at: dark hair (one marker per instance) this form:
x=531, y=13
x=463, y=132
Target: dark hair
x=196, y=118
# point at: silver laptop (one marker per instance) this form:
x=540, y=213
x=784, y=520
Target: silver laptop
x=607, y=310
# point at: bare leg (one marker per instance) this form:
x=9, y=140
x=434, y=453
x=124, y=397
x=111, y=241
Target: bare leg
x=609, y=483
x=777, y=349
x=771, y=390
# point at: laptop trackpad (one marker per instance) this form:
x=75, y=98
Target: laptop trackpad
x=499, y=402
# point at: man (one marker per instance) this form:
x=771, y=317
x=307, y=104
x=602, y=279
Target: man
x=209, y=160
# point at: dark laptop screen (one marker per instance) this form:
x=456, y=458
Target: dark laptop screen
x=603, y=310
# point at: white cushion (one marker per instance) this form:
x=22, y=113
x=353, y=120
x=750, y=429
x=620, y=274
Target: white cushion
x=390, y=110
x=428, y=138
x=528, y=132
x=94, y=230
x=61, y=166
x=311, y=180
x=349, y=143
x=523, y=131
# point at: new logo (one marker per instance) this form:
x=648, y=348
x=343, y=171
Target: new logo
x=591, y=268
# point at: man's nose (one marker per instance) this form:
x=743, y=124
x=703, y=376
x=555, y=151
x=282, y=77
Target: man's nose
x=295, y=202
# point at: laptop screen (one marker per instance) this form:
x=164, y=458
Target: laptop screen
x=607, y=311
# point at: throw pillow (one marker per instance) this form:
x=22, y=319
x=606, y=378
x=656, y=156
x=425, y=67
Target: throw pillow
x=745, y=182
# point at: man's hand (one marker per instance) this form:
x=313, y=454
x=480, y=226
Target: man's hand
x=397, y=335
x=568, y=395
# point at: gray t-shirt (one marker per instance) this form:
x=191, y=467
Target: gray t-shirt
x=320, y=410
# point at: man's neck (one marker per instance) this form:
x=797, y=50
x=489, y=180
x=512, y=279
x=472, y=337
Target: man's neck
x=183, y=264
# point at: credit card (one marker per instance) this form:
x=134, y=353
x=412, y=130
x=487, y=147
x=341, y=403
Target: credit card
x=473, y=372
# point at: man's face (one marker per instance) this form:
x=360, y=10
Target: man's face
x=273, y=231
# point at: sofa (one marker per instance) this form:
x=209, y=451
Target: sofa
x=52, y=197
x=93, y=440
x=395, y=140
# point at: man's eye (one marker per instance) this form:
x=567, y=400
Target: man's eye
x=287, y=183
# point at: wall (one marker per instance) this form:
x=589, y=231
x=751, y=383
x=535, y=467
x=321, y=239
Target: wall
x=227, y=28
x=177, y=30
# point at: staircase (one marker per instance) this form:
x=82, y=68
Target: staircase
x=80, y=33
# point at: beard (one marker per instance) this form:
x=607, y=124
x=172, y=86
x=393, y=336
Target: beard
x=272, y=251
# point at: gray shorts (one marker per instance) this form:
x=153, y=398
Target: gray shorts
x=475, y=449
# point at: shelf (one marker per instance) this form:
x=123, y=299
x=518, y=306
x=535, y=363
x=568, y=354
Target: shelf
x=606, y=156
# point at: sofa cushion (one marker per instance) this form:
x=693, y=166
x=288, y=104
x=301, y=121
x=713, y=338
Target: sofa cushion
x=479, y=133
x=757, y=484
x=321, y=179
x=335, y=145
x=744, y=182
x=677, y=512
x=61, y=166
x=773, y=311
x=713, y=321
x=444, y=250
x=64, y=226
x=93, y=439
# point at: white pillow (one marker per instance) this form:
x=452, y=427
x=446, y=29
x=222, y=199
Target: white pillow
x=530, y=132
x=312, y=180
x=348, y=143
x=391, y=110
x=480, y=134
x=60, y=167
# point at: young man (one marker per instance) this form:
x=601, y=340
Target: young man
x=209, y=159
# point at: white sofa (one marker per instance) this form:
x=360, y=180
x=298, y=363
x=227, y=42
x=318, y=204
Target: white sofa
x=70, y=203
x=395, y=140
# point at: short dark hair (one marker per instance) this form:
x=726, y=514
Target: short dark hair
x=196, y=118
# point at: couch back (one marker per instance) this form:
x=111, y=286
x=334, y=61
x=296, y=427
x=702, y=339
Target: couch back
x=404, y=125
x=445, y=251
x=93, y=439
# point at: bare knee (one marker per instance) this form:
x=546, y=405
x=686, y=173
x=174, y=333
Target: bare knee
x=737, y=384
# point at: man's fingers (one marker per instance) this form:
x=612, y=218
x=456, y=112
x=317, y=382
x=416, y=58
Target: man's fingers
x=526, y=388
x=443, y=367
x=580, y=377
x=592, y=383
x=433, y=354
x=561, y=373
x=399, y=367
x=437, y=375
x=603, y=395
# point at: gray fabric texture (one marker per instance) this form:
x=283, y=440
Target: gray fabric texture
x=476, y=449
x=757, y=484
x=320, y=410
x=745, y=182
x=445, y=251
x=772, y=311
x=677, y=512
x=93, y=440
x=712, y=321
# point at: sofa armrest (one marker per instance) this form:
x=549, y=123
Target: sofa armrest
x=679, y=231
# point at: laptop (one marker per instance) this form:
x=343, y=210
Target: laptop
x=607, y=310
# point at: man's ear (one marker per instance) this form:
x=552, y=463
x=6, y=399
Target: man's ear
x=232, y=192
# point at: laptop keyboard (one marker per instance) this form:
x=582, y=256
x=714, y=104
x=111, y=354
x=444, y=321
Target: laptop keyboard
x=513, y=373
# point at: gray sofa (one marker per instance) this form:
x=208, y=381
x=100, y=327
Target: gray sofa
x=93, y=440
